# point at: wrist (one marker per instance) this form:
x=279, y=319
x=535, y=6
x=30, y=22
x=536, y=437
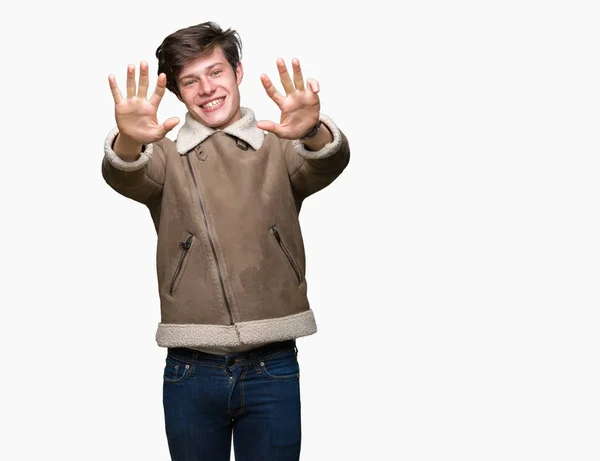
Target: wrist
x=312, y=132
x=127, y=148
x=319, y=140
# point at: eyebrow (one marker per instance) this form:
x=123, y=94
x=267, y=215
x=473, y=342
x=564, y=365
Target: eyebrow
x=207, y=68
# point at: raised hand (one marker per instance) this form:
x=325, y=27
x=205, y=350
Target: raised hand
x=299, y=107
x=136, y=115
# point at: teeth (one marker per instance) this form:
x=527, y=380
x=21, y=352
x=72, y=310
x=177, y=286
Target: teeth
x=214, y=103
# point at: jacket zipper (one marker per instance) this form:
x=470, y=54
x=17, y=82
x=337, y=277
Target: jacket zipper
x=185, y=246
x=210, y=239
x=287, y=253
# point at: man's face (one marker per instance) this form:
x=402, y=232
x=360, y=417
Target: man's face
x=208, y=87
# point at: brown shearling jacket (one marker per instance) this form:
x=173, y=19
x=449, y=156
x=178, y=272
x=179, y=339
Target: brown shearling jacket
x=230, y=257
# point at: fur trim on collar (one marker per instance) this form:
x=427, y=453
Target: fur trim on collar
x=193, y=132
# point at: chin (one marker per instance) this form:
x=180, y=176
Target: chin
x=218, y=123
x=216, y=118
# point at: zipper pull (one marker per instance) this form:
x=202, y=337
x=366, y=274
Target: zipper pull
x=276, y=234
x=187, y=244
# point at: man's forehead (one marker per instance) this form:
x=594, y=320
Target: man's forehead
x=207, y=61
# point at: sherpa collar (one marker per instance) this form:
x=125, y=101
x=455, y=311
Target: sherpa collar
x=193, y=132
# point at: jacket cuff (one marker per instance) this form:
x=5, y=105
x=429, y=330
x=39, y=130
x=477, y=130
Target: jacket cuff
x=328, y=149
x=117, y=161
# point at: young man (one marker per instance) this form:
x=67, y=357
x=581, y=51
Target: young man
x=225, y=199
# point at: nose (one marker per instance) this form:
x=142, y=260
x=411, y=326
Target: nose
x=206, y=87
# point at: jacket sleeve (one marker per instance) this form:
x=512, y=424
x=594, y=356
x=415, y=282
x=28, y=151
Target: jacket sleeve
x=141, y=180
x=311, y=171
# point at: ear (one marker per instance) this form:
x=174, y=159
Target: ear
x=239, y=73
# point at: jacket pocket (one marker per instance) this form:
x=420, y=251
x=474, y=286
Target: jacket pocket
x=286, y=252
x=184, y=246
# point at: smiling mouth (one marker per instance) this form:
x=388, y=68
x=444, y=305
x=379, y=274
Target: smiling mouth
x=213, y=104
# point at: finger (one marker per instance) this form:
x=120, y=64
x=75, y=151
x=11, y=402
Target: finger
x=298, y=78
x=271, y=90
x=169, y=124
x=144, y=81
x=130, y=81
x=284, y=76
x=159, y=91
x=114, y=88
x=267, y=125
x=313, y=85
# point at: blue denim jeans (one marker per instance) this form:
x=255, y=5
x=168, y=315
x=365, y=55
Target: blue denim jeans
x=253, y=396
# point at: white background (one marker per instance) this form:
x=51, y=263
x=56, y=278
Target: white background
x=453, y=268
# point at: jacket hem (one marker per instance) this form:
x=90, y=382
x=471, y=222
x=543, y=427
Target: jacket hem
x=253, y=332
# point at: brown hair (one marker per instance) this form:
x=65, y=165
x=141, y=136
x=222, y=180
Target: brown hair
x=184, y=45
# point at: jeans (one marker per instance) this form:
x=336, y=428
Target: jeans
x=253, y=396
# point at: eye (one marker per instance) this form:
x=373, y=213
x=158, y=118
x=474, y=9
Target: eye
x=216, y=72
x=188, y=83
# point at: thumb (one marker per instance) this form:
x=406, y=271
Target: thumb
x=313, y=85
x=267, y=126
x=169, y=124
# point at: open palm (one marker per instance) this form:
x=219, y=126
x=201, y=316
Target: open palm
x=299, y=107
x=135, y=114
